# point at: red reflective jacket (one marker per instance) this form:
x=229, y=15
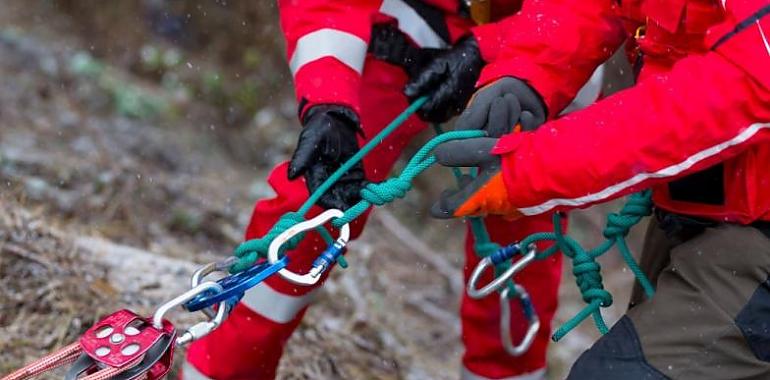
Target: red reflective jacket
x=327, y=40
x=702, y=102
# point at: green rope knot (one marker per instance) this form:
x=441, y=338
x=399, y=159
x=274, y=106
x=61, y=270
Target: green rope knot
x=386, y=192
x=619, y=224
x=252, y=250
x=589, y=280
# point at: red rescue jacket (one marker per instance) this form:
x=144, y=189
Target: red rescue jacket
x=327, y=40
x=696, y=127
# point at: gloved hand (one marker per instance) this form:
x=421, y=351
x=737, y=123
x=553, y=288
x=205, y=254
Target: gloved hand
x=327, y=140
x=497, y=107
x=483, y=195
x=449, y=80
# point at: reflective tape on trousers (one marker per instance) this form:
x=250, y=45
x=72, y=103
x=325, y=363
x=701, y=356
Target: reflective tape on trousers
x=275, y=306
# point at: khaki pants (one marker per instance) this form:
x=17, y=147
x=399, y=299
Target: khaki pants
x=709, y=319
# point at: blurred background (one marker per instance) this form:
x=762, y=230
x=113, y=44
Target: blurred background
x=135, y=137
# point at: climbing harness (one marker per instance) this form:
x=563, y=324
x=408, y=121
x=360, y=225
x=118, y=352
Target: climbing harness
x=127, y=346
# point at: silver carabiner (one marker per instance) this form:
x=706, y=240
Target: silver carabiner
x=198, y=330
x=216, y=266
x=203, y=272
x=314, y=275
x=476, y=293
x=505, y=321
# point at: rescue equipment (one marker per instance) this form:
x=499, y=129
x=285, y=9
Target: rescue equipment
x=127, y=346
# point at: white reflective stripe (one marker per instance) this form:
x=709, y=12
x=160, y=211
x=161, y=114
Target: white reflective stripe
x=275, y=306
x=588, y=93
x=345, y=47
x=663, y=173
x=412, y=24
x=764, y=38
x=534, y=375
x=189, y=372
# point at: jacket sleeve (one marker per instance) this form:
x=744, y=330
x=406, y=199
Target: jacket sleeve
x=554, y=45
x=705, y=110
x=326, y=45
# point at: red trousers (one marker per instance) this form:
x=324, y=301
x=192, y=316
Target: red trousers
x=250, y=342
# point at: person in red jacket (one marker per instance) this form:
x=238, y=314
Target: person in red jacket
x=351, y=61
x=695, y=129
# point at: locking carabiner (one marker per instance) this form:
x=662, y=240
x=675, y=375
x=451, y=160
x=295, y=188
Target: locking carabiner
x=505, y=321
x=200, y=329
x=322, y=263
x=505, y=253
x=234, y=285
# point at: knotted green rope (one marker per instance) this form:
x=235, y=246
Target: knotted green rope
x=391, y=189
x=251, y=251
x=585, y=268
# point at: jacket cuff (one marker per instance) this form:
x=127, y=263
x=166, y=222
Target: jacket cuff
x=488, y=36
x=555, y=94
x=509, y=149
x=327, y=81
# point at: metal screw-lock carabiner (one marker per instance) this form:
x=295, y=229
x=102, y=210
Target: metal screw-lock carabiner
x=505, y=321
x=497, y=283
x=320, y=266
x=198, y=330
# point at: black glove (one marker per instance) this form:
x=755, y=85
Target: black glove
x=327, y=140
x=449, y=81
x=499, y=106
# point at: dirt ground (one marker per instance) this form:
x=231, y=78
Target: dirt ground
x=118, y=178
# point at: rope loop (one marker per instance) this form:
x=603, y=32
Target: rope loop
x=386, y=192
x=252, y=250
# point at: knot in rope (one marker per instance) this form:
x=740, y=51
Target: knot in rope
x=619, y=224
x=386, y=192
x=252, y=250
x=589, y=279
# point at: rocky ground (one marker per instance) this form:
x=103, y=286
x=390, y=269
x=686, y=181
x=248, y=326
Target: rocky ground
x=115, y=186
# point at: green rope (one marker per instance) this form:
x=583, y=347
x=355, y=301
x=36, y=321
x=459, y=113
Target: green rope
x=483, y=245
x=251, y=251
x=368, y=147
x=586, y=270
x=389, y=190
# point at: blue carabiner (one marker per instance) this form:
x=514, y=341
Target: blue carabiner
x=234, y=286
x=504, y=254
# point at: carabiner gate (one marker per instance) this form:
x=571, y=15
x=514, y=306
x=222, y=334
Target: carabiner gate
x=497, y=283
x=505, y=321
x=319, y=266
x=198, y=330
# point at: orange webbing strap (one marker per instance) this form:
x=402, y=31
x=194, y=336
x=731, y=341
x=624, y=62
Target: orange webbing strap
x=57, y=359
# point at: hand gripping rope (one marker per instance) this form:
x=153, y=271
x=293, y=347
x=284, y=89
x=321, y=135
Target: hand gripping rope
x=127, y=346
